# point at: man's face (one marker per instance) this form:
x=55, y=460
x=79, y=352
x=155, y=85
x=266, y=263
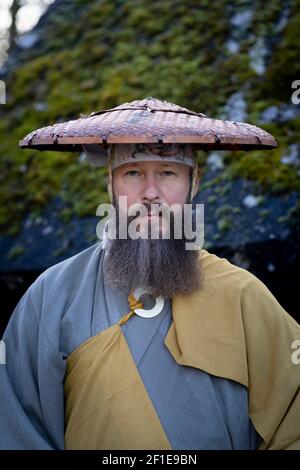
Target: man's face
x=149, y=183
x=152, y=183
x=132, y=263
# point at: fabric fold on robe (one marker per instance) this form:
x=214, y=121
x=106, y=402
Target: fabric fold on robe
x=235, y=328
x=107, y=406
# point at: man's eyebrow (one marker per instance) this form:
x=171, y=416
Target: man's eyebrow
x=129, y=164
x=162, y=164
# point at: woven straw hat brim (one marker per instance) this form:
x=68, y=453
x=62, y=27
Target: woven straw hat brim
x=149, y=121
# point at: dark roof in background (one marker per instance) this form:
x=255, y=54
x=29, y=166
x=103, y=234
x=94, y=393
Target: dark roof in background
x=234, y=62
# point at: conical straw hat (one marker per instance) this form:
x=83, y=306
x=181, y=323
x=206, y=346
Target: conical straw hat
x=149, y=121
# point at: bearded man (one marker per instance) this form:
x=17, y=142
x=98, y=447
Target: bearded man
x=139, y=343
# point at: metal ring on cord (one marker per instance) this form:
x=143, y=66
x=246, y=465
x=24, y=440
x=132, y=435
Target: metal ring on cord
x=153, y=312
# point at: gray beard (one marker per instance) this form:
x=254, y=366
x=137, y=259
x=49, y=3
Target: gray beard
x=164, y=266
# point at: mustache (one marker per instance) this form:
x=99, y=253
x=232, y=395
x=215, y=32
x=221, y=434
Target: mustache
x=161, y=211
x=141, y=209
x=155, y=208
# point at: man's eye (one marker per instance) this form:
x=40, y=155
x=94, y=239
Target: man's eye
x=132, y=173
x=168, y=173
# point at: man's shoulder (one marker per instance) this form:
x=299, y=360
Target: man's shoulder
x=232, y=284
x=59, y=285
x=72, y=268
x=237, y=289
x=220, y=271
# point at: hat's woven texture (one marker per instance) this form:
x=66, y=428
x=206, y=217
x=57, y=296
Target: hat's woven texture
x=149, y=120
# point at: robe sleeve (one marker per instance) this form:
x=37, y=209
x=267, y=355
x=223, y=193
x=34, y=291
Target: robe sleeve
x=31, y=390
x=274, y=377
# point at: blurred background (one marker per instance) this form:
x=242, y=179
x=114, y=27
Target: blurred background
x=229, y=59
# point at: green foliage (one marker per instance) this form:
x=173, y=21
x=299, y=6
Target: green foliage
x=120, y=51
x=16, y=251
x=265, y=168
x=224, y=224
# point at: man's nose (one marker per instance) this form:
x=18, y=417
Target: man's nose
x=150, y=191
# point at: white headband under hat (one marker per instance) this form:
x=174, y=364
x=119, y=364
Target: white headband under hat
x=116, y=155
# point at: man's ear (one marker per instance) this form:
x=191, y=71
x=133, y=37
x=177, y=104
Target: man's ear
x=199, y=176
x=109, y=184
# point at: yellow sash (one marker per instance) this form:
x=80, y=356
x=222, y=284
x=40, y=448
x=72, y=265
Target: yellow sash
x=235, y=328
x=107, y=406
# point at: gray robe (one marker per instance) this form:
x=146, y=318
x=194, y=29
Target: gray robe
x=67, y=305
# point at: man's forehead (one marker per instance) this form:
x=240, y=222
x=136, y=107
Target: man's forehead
x=120, y=154
x=151, y=164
